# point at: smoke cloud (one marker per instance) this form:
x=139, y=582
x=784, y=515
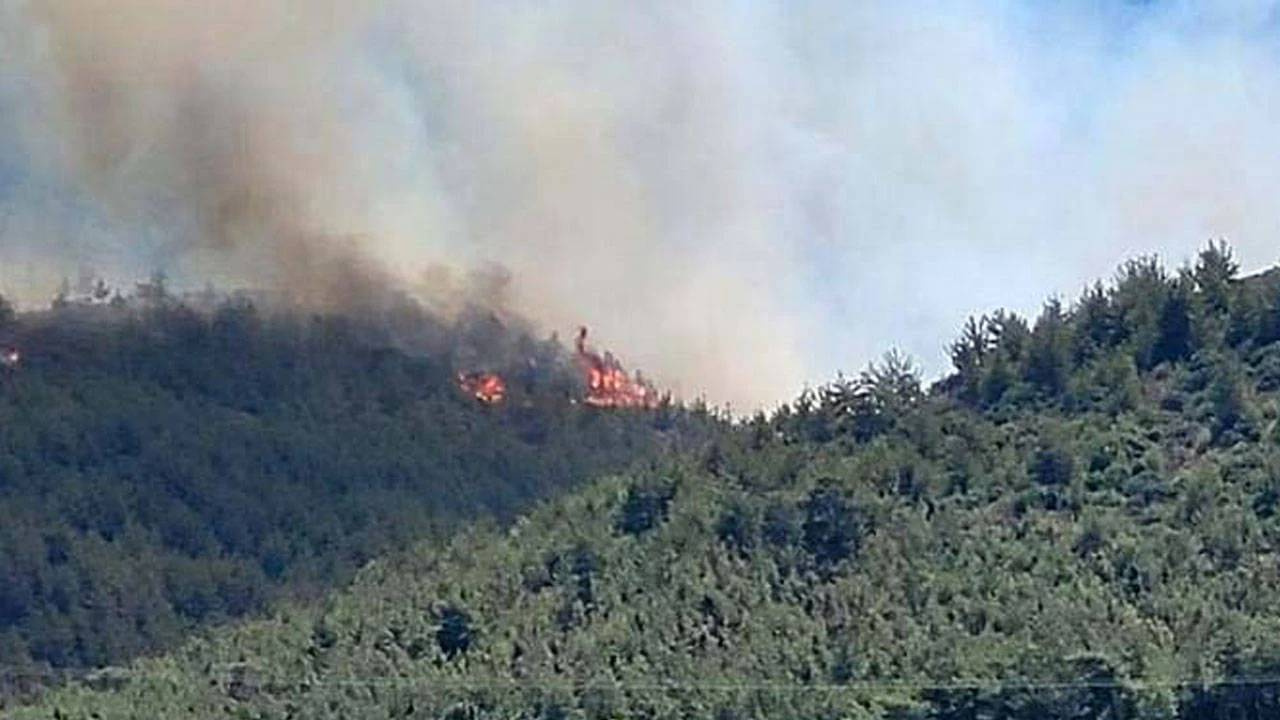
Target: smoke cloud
x=738, y=197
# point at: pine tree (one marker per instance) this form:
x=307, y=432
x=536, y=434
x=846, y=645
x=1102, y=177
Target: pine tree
x=1215, y=270
x=1141, y=289
x=1049, y=355
x=1174, y=336
x=968, y=354
x=1096, y=326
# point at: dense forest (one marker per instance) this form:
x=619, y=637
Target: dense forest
x=169, y=463
x=1082, y=520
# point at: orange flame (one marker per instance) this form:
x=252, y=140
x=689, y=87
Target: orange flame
x=608, y=385
x=488, y=388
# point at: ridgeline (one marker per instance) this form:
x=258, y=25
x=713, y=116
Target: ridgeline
x=165, y=467
x=1081, y=521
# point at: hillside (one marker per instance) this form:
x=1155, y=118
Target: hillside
x=164, y=467
x=1080, y=521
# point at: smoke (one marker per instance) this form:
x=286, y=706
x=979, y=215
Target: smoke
x=211, y=129
x=737, y=197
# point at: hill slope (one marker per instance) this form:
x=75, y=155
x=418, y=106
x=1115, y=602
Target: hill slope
x=163, y=468
x=1080, y=522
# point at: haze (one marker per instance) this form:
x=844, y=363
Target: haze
x=740, y=198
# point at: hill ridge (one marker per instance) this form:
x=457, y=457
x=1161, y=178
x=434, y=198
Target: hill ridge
x=1081, y=521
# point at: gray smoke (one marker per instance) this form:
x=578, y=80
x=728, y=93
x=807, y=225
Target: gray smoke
x=737, y=197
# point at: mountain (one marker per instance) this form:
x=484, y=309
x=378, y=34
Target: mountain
x=1079, y=522
x=167, y=465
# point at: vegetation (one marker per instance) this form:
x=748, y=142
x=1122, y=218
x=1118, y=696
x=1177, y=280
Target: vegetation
x=1081, y=521
x=163, y=468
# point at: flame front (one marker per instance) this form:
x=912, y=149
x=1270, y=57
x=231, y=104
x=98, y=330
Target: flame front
x=489, y=388
x=608, y=385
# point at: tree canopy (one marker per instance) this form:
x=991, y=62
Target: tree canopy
x=164, y=468
x=1079, y=521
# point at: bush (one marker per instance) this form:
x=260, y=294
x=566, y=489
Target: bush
x=779, y=528
x=1052, y=466
x=832, y=529
x=734, y=529
x=642, y=510
x=453, y=633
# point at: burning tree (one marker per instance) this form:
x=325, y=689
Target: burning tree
x=489, y=388
x=605, y=382
x=608, y=385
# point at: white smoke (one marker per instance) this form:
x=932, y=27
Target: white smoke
x=738, y=197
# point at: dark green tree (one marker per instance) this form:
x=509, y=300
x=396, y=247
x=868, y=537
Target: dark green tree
x=876, y=401
x=832, y=528
x=453, y=633
x=1215, y=271
x=643, y=509
x=1049, y=355
x=968, y=356
x=1234, y=416
x=1053, y=464
x=1174, y=339
x=1097, y=326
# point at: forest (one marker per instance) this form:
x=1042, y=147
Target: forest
x=1081, y=519
x=168, y=465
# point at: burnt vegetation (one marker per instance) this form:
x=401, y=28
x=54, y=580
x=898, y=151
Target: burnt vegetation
x=1080, y=520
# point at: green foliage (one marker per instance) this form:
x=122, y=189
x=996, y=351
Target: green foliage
x=1079, y=356
x=1098, y=326
x=832, y=529
x=1173, y=333
x=969, y=356
x=1214, y=272
x=1053, y=465
x=454, y=634
x=1049, y=356
x=874, y=403
x=163, y=469
x=735, y=526
x=1081, y=522
x=643, y=510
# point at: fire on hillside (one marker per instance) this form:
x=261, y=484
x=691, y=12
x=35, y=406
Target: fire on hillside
x=606, y=382
x=608, y=385
x=489, y=388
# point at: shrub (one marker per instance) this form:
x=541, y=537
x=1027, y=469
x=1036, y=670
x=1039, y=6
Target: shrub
x=642, y=510
x=832, y=529
x=454, y=634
